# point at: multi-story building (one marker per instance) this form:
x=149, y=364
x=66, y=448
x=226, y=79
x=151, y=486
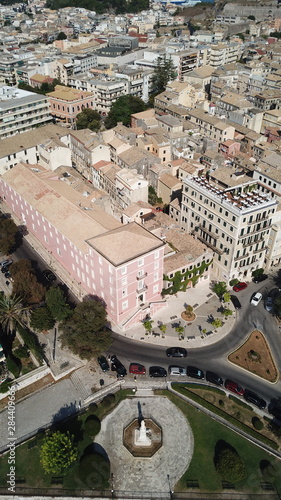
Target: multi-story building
x=21, y=111
x=9, y=64
x=86, y=149
x=66, y=103
x=122, y=264
x=232, y=216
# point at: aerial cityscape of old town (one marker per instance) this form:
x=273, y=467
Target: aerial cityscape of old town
x=140, y=249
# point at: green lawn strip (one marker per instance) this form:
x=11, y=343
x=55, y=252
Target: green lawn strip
x=206, y=433
x=28, y=459
x=209, y=406
x=240, y=403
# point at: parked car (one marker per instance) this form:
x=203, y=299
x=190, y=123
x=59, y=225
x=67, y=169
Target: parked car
x=49, y=275
x=259, y=278
x=6, y=263
x=253, y=398
x=194, y=372
x=214, y=378
x=137, y=369
x=176, y=352
x=240, y=286
x=103, y=363
x=117, y=366
x=157, y=371
x=233, y=387
x=269, y=304
x=235, y=301
x=275, y=409
x=177, y=370
x=255, y=300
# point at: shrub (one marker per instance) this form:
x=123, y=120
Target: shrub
x=92, y=425
x=92, y=408
x=22, y=352
x=257, y=423
x=221, y=403
x=94, y=471
x=14, y=366
x=233, y=282
x=268, y=470
x=108, y=400
x=229, y=464
x=4, y=387
x=31, y=340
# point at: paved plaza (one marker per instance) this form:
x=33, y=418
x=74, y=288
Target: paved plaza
x=162, y=471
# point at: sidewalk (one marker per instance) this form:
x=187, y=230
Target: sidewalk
x=205, y=306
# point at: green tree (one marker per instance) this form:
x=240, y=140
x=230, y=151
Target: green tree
x=277, y=306
x=163, y=328
x=14, y=365
x=226, y=312
x=257, y=272
x=163, y=73
x=57, y=304
x=180, y=330
x=41, y=319
x=230, y=465
x=58, y=452
x=217, y=323
x=8, y=235
x=152, y=196
x=88, y=118
x=85, y=331
x=226, y=298
x=219, y=288
x=12, y=313
x=25, y=282
x=61, y=36
x=147, y=324
x=122, y=109
x=252, y=18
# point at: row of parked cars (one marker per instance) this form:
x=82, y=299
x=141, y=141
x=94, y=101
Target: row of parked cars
x=256, y=298
x=189, y=371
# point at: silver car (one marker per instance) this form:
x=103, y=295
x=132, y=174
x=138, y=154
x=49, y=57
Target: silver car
x=177, y=370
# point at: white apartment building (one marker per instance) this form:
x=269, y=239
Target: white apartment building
x=131, y=187
x=21, y=111
x=224, y=53
x=231, y=216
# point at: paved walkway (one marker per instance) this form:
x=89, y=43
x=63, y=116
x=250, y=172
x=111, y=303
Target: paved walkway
x=161, y=472
x=197, y=333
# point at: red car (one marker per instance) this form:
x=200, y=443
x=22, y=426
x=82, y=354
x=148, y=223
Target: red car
x=233, y=387
x=240, y=286
x=137, y=369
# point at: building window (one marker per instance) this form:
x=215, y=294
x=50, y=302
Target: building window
x=46, y=239
x=140, y=262
x=59, y=251
x=155, y=288
x=124, y=305
x=124, y=270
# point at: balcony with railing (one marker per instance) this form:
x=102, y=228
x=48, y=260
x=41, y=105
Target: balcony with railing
x=142, y=289
x=141, y=276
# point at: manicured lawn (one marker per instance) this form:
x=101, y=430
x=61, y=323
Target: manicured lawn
x=28, y=464
x=207, y=433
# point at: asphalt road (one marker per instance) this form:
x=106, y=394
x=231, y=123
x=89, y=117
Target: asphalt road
x=213, y=357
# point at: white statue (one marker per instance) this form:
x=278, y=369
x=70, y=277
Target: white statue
x=141, y=438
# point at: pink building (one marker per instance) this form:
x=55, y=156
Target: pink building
x=229, y=148
x=66, y=103
x=122, y=264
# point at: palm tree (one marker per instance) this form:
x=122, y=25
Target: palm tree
x=12, y=312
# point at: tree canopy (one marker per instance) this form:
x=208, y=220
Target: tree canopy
x=229, y=464
x=122, y=109
x=101, y=6
x=25, y=283
x=220, y=288
x=41, y=319
x=12, y=312
x=8, y=235
x=163, y=73
x=88, y=118
x=85, y=331
x=58, y=452
x=57, y=303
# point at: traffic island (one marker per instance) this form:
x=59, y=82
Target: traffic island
x=255, y=356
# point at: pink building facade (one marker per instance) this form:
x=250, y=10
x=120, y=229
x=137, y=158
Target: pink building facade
x=122, y=264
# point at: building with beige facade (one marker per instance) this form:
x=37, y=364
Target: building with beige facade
x=232, y=216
